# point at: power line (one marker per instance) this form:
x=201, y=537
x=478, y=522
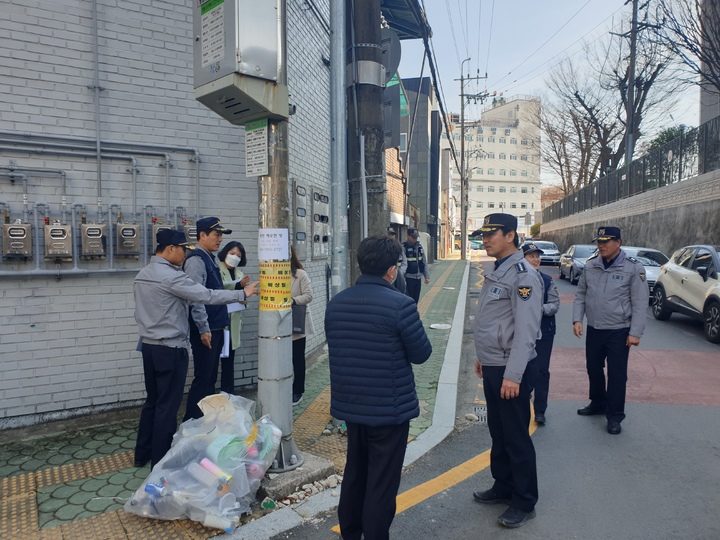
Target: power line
x=452, y=26
x=492, y=16
x=546, y=42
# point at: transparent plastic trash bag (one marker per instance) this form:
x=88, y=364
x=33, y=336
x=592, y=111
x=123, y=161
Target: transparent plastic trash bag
x=214, y=467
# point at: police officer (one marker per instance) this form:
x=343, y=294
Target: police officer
x=507, y=324
x=416, y=265
x=612, y=294
x=400, y=284
x=543, y=346
x=163, y=293
x=207, y=324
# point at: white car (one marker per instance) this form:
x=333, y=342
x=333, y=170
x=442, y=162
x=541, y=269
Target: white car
x=689, y=284
x=551, y=253
x=651, y=259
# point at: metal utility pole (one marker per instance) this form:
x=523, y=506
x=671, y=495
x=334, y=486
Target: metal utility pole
x=631, y=86
x=463, y=175
x=368, y=212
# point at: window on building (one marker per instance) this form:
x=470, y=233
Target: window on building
x=532, y=190
x=468, y=137
x=479, y=189
x=513, y=157
x=478, y=204
x=523, y=205
x=480, y=138
x=491, y=171
x=494, y=130
x=456, y=137
x=502, y=189
x=523, y=190
x=513, y=140
x=491, y=189
x=513, y=205
x=491, y=138
x=491, y=205
x=503, y=155
x=507, y=132
x=503, y=140
x=525, y=142
x=532, y=205
x=513, y=172
x=403, y=142
x=479, y=170
x=503, y=172
x=523, y=157
x=480, y=130
x=523, y=173
x=490, y=155
x=443, y=136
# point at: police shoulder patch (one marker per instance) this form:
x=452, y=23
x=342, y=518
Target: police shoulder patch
x=524, y=292
x=642, y=276
x=521, y=268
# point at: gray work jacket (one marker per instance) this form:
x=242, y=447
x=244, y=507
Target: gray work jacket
x=163, y=293
x=614, y=297
x=507, y=321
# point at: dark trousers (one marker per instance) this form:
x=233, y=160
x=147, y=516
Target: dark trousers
x=227, y=373
x=541, y=375
x=412, y=286
x=206, y=362
x=371, y=481
x=298, y=360
x=610, y=345
x=512, y=457
x=165, y=371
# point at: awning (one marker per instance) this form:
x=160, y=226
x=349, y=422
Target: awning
x=406, y=17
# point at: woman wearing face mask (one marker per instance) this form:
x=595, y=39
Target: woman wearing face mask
x=302, y=295
x=232, y=257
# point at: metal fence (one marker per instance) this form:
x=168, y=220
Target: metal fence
x=695, y=152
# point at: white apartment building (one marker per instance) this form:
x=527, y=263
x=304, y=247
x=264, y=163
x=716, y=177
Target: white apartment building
x=502, y=160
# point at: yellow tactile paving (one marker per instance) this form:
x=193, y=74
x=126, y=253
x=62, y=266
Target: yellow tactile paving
x=195, y=531
x=60, y=475
x=18, y=516
x=96, y=527
x=106, y=464
x=160, y=530
x=427, y=300
x=18, y=484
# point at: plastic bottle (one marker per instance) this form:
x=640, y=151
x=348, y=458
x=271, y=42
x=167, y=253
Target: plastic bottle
x=218, y=522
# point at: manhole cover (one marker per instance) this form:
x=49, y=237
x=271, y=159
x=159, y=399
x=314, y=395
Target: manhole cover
x=438, y=326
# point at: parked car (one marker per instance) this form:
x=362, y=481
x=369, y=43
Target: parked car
x=651, y=259
x=573, y=260
x=689, y=284
x=551, y=253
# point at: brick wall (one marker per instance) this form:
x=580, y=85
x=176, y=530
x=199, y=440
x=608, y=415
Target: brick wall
x=67, y=346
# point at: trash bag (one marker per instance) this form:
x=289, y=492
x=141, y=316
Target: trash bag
x=214, y=467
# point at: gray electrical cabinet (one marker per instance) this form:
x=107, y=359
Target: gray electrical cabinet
x=17, y=240
x=300, y=221
x=58, y=241
x=128, y=239
x=238, y=59
x=93, y=239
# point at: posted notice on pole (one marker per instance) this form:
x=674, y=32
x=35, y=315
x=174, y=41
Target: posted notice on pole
x=256, y=148
x=274, y=270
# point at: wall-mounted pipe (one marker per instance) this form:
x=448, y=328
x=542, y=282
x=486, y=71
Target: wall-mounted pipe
x=96, y=89
x=134, y=170
x=75, y=208
x=59, y=273
x=36, y=211
x=146, y=245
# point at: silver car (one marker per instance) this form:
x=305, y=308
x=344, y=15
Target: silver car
x=651, y=259
x=551, y=253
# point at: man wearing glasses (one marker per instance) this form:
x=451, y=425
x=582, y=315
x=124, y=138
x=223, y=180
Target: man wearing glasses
x=612, y=294
x=163, y=293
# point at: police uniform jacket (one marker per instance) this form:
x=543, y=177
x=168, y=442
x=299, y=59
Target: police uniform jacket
x=416, y=265
x=551, y=305
x=374, y=335
x=614, y=297
x=202, y=267
x=163, y=293
x=507, y=321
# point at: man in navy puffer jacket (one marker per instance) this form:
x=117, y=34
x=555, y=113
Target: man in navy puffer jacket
x=374, y=335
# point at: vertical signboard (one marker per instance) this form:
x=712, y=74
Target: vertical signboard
x=256, y=148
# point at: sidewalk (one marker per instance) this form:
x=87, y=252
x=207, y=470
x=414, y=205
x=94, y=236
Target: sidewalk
x=71, y=481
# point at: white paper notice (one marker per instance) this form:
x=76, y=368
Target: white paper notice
x=256, y=148
x=273, y=245
x=235, y=306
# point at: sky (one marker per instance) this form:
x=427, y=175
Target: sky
x=516, y=43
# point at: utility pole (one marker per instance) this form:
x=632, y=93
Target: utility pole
x=368, y=212
x=463, y=175
x=631, y=86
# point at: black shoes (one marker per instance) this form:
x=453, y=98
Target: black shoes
x=613, y=428
x=490, y=497
x=539, y=418
x=139, y=464
x=513, y=518
x=297, y=398
x=591, y=410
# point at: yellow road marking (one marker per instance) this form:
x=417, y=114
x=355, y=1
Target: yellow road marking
x=448, y=479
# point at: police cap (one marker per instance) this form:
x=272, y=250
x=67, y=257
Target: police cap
x=531, y=248
x=208, y=224
x=493, y=222
x=607, y=233
x=169, y=237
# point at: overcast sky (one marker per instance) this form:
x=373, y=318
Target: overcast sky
x=516, y=42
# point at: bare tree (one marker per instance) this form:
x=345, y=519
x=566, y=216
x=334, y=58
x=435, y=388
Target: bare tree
x=690, y=30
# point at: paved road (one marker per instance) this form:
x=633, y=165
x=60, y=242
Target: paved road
x=657, y=480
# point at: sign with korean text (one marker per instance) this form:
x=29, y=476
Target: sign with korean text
x=256, y=148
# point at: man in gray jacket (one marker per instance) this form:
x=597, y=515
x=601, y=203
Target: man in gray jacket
x=507, y=324
x=612, y=294
x=163, y=293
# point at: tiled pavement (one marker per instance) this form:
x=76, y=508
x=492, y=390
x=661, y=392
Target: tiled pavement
x=72, y=484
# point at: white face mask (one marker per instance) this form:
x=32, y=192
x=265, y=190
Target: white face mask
x=232, y=260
